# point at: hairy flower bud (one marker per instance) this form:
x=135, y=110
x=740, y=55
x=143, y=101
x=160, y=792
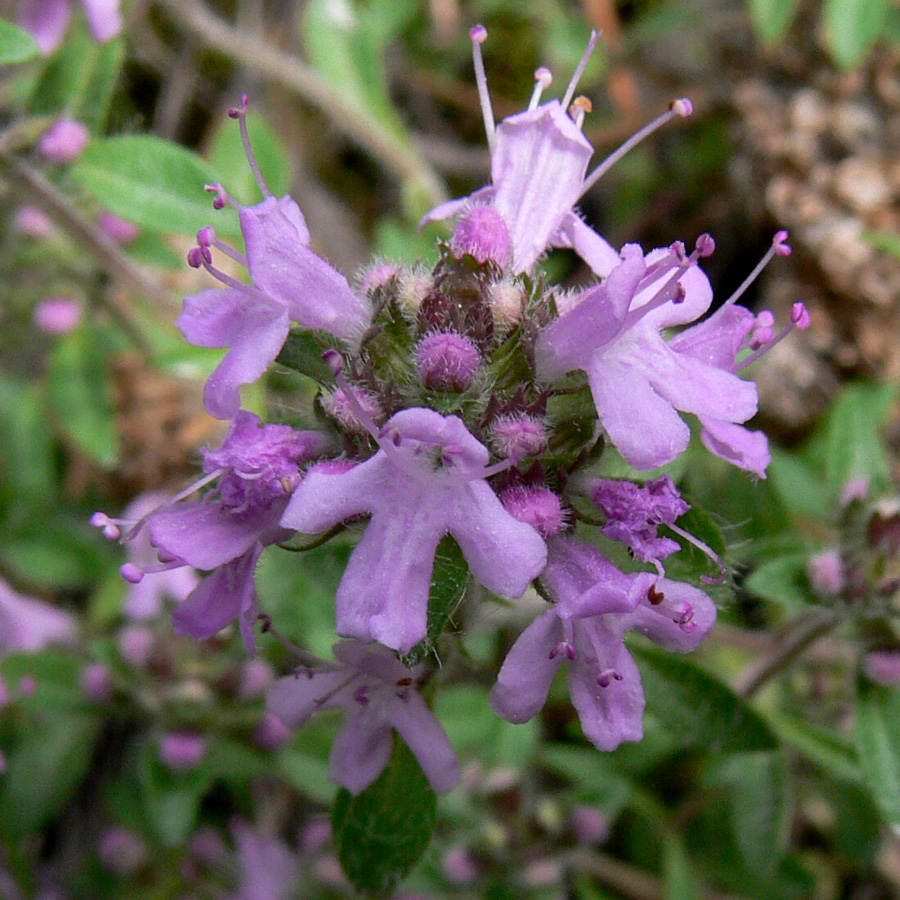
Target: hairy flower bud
x=64, y=141
x=447, y=361
x=483, y=234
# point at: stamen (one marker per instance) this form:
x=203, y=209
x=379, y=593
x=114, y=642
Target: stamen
x=240, y=114
x=705, y=548
x=222, y=199
x=207, y=237
x=799, y=319
x=336, y=363
x=579, y=69
x=132, y=573
x=762, y=329
x=564, y=647
x=655, y=596
x=543, y=78
x=110, y=527
x=679, y=108
x=580, y=107
x=479, y=34
x=778, y=248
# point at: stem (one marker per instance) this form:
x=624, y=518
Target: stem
x=804, y=631
x=396, y=154
x=29, y=186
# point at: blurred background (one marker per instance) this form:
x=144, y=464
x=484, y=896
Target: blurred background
x=141, y=765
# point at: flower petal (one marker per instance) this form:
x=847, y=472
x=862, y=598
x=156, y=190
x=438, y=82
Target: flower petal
x=47, y=21
x=296, y=698
x=609, y=715
x=658, y=624
x=597, y=252
x=361, y=750
x=425, y=736
x=525, y=676
x=738, y=445
x=104, y=18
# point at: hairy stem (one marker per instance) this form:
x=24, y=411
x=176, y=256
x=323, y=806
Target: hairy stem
x=806, y=630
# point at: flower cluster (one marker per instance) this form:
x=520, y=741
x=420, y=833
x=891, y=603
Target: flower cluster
x=472, y=402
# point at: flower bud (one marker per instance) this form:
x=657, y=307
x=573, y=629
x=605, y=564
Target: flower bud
x=122, y=851
x=826, y=572
x=883, y=667
x=447, y=361
x=64, y=141
x=459, y=866
x=517, y=437
x=120, y=230
x=482, y=233
x=136, y=645
x=271, y=733
x=256, y=676
x=537, y=506
x=182, y=751
x=589, y=825
x=96, y=682
x=57, y=315
x=33, y=222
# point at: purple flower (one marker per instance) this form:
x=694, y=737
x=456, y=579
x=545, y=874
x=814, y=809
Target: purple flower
x=539, y=161
x=268, y=868
x=596, y=604
x=64, y=141
x=717, y=341
x=48, y=20
x=635, y=512
x=639, y=380
x=257, y=467
x=27, y=624
x=290, y=283
x=426, y=481
x=380, y=695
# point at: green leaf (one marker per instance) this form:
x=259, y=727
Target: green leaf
x=878, y=745
x=886, y=241
x=819, y=745
x=45, y=770
x=81, y=395
x=773, y=18
x=783, y=581
x=27, y=472
x=79, y=79
x=854, y=448
x=852, y=27
x=799, y=484
x=16, y=44
x=229, y=157
x=302, y=352
x=759, y=807
x=383, y=832
x=448, y=584
x=478, y=733
x=597, y=778
x=697, y=708
x=678, y=877
x=154, y=183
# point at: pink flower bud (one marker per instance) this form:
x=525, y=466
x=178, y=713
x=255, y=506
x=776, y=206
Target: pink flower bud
x=120, y=230
x=826, y=572
x=182, y=751
x=482, y=233
x=256, y=676
x=96, y=682
x=447, y=361
x=57, y=315
x=537, y=506
x=589, y=825
x=883, y=667
x=122, y=851
x=377, y=277
x=459, y=867
x=33, y=222
x=64, y=141
x=518, y=436
x=136, y=645
x=271, y=733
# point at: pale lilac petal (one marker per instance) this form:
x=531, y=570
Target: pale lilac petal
x=585, y=583
x=28, y=624
x=644, y=427
x=695, y=387
x=570, y=342
x=425, y=736
x=206, y=535
x=145, y=599
x=738, y=445
x=323, y=500
x=573, y=233
x=313, y=291
x=376, y=661
x=226, y=594
x=609, y=715
x=718, y=339
x=104, y=18
x=213, y=317
x=505, y=555
x=525, y=676
x=268, y=868
x=361, y=750
x=296, y=698
x=698, y=296
x=47, y=21
x=383, y=595
x=658, y=624
x=538, y=169
x=264, y=328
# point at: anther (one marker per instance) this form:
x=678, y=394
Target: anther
x=132, y=573
x=682, y=107
x=221, y=198
x=800, y=316
x=607, y=676
x=334, y=361
x=111, y=530
x=780, y=245
x=655, y=596
x=206, y=237
x=580, y=107
x=543, y=78
x=705, y=246
x=195, y=257
x=361, y=695
x=566, y=648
